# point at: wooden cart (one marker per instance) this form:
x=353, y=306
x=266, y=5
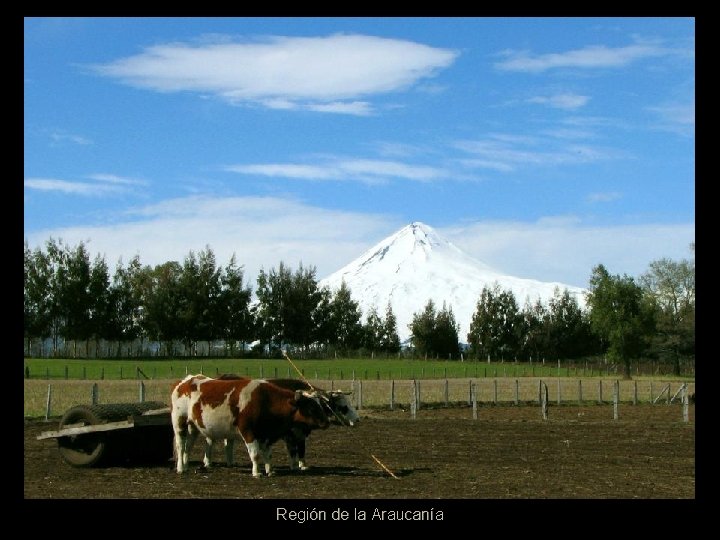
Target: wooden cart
x=116, y=433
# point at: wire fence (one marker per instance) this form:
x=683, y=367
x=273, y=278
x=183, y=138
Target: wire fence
x=52, y=398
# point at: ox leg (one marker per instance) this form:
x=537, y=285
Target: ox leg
x=207, y=457
x=292, y=449
x=180, y=429
x=229, y=448
x=301, y=454
x=255, y=456
x=266, y=450
x=189, y=442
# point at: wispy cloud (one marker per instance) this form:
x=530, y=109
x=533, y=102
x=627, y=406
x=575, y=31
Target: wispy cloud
x=115, y=179
x=323, y=74
x=372, y=171
x=591, y=57
x=511, y=153
x=675, y=117
x=99, y=186
x=70, y=187
x=60, y=137
x=561, y=101
x=604, y=197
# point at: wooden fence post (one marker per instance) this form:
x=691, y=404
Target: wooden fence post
x=470, y=394
x=360, y=396
x=616, y=399
x=94, y=394
x=600, y=392
x=559, y=400
x=651, y=392
x=474, y=401
x=447, y=394
x=48, y=401
x=517, y=392
x=495, y=391
x=142, y=392
x=413, y=401
x=580, y=399
x=634, y=392
x=417, y=395
x=392, y=394
x=685, y=402
x=544, y=401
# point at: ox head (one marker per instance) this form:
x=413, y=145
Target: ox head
x=340, y=408
x=310, y=411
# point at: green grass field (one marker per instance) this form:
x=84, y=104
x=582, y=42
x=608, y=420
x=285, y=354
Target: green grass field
x=336, y=369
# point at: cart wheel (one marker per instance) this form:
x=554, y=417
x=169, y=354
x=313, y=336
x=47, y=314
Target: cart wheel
x=84, y=450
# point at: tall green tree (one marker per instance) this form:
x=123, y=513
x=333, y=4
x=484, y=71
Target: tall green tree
x=389, y=341
x=38, y=299
x=126, y=303
x=302, y=300
x=570, y=334
x=670, y=285
x=163, y=304
x=273, y=292
x=199, y=293
x=619, y=315
x=236, y=320
x=345, y=320
x=101, y=309
x=422, y=329
x=496, y=329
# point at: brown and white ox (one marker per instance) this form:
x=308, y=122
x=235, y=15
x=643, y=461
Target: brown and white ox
x=254, y=410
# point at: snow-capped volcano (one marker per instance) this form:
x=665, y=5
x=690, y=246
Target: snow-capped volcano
x=415, y=264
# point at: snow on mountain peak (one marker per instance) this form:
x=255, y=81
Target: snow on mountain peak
x=416, y=264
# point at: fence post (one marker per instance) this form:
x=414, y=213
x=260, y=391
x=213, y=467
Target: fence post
x=544, y=401
x=392, y=394
x=634, y=392
x=142, y=391
x=495, y=391
x=474, y=401
x=600, y=391
x=48, y=402
x=651, y=392
x=94, y=394
x=417, y=394
x=616, y=399
x=685, y=402
x=413, y=409
x=102, y=374
x=470, y=394
x=447, y=394
x=580, y=399
x=517, y=392
x=558, y=397
x=121, y=376
x=360, y=396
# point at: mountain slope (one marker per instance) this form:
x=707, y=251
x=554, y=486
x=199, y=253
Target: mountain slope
x=415, y=264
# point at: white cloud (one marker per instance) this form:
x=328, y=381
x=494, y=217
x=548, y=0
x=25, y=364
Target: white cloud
x=324, y=74
x=260, y=231
x=591, y=57
x=509, y=153
x=604, y=197
x=561, y=101
x=74, y=188
x=59, y=137
x=114, y=179
x=566, y=249
x=364, y=170
x=678, y=118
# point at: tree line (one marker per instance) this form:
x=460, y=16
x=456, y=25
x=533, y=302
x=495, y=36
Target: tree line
x=69, y=298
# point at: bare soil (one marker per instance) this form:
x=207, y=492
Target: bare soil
x=509, y=452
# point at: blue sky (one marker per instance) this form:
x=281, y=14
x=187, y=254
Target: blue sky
x=540, y=146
